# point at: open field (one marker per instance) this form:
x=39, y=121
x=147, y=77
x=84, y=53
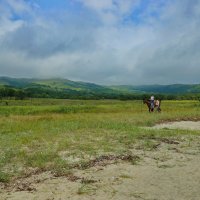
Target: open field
x=73, y=149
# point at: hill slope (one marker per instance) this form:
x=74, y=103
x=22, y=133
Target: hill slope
x=160, y=89
x=58, y=84
x=55, y=88
x=64, y=88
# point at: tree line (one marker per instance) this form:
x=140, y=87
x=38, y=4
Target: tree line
x=37, y=92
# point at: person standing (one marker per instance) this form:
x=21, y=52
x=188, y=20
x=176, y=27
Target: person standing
x=152, y=102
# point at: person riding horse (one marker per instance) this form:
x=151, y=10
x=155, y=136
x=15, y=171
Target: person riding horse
x=152, y=103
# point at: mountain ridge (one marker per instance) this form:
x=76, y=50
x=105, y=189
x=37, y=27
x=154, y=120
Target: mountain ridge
x=59, y=84
x=65, y=88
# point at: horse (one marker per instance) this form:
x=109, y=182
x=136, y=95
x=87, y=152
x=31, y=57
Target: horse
x=156, y=105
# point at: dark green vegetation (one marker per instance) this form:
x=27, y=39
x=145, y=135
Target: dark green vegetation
x=56, y=135
x=66, y=89
x=53, y=88
x=163, y=89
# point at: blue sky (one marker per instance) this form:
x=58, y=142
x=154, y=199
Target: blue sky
x=101, y=41
x=52, y=4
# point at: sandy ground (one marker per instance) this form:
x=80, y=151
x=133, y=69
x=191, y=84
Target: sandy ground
x=187, y=125
x=169, y=171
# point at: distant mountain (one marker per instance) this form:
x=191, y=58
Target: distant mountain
x=15, y=82
x=58, y=84
x=55, y=88
x=160, y=89
x=64, y=88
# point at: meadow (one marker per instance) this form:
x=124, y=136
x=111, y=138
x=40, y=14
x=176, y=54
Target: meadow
x=58, y=135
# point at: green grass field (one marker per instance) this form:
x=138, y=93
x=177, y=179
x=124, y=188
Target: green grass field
x=49, y=134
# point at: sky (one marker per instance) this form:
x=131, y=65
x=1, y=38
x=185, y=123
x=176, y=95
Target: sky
x=109, y=42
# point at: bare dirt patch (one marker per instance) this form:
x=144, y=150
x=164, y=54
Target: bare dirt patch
x=186, y=125
x=168, y=172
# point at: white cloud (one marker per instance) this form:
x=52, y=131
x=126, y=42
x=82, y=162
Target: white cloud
x=9, y=26
x=159, y=44
x=98, y=5
x=19, y=6
x=8, y=9
x=111, y=11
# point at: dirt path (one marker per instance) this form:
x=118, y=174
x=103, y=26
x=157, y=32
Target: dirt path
x=171, y=171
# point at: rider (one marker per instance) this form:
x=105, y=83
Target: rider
x=152, y=101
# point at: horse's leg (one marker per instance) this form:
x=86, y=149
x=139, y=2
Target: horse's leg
x=158, y=109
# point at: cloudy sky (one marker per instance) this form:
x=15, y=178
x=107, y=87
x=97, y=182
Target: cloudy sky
x=101, y=41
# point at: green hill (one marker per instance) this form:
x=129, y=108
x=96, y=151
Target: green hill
x=56, y=88
x=57, y=84
x=64, y=88
x=160, y=89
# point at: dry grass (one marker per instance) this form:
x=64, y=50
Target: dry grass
x=53, y=134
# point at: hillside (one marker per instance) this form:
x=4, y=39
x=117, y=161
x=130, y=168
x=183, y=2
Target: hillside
x=64, y=88
x=57, y=88
x=160, y=89
x=54, y=84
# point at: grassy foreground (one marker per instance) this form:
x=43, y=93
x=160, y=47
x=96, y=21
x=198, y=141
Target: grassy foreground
x=46, y=134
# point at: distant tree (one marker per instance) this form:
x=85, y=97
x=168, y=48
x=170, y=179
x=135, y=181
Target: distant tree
x=20, y=94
